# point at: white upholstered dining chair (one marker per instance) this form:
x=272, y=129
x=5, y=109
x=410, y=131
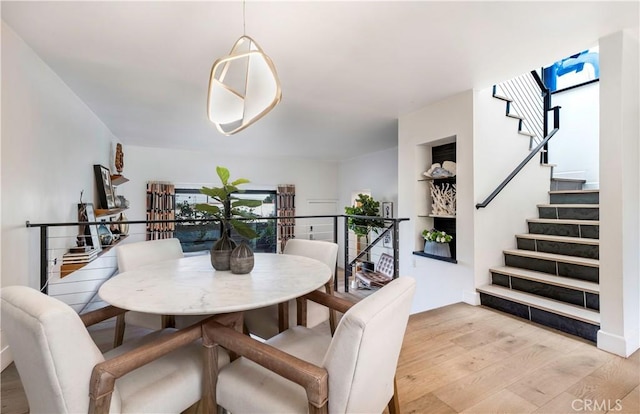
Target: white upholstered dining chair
x=134, y=255
x=63, y=371
x=266, y=322
x=302, y=370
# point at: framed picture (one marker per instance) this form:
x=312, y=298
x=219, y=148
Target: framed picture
x=90, y=232
x=105, y=189
x=387, y=212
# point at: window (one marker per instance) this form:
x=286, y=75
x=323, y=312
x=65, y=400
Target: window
x=200, y=236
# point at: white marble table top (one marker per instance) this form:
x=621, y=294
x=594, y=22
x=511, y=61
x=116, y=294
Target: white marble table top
x=191, y=286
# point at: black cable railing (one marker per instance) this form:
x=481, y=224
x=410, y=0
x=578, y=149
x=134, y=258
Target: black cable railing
x=53, y=246
x=527, y=102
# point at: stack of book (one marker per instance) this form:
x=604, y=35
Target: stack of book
x=79, y=257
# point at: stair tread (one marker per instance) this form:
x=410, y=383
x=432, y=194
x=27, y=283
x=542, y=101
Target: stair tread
x=529, y=134
x=564, y=221
x=574, y=191
x=561, y=239
x=548, y=279
x=538, y=302
x=570, y=205
x=571, y=180
x=583, y=261
x=515, y=116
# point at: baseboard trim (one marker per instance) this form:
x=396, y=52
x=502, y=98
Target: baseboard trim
x=619, y=345
x=471, y=297
x=6, y=358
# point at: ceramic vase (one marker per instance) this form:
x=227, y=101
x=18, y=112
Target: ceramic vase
x=123, y=227
x=241, y=260
x=221, y=252
x=437, y=249
x=104, y=234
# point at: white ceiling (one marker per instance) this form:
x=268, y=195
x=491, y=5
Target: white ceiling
x=348, y=69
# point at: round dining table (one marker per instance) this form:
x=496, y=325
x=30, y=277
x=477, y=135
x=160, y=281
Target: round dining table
x=191, y=286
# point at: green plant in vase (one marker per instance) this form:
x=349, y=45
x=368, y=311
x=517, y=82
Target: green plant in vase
x=436, y=242
x=228, y=210
x=365, y=205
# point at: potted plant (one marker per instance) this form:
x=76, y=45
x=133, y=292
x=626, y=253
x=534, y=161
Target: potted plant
x=365, y=205
x=228, y=212
x=436, y=242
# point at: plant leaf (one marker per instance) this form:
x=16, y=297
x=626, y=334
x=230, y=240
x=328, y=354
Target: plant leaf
x=215, y=192
x=231, y=189
x=246, y=203
x=243, y=229
x=240, y=181
x=223, y=173
x=208, y=208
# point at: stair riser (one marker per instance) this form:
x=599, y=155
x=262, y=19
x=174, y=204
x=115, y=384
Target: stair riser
x=569, y=213
x=569, y=230
x=565, y=185
x=574, y=271
x=588, y=251
x=563, y=294
x=575, y=198
x=559, y=322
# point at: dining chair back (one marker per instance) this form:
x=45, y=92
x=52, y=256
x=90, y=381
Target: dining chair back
x=52, y=350
x=360, y=360
x=131, y=256
x=265, y=323
x=327, y=253
x=363, y=355
x=56, y=359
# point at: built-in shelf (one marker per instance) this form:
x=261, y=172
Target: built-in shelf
x=433, y=256
x=443, y=222
x=68, y=268
x=443, y=179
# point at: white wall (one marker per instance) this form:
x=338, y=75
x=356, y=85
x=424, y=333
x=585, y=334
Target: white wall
x=50, y=141
x=574, y=148
x=497, y=150
x=375, y=173
x=438, y=283
x=619, y=194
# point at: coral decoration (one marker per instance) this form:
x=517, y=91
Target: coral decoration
x=444, y=199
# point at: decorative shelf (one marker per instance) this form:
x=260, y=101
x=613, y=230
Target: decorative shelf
x=432, y=256
x=437, y=216
x=101, y=212
x=68, y=268
x=118, y=179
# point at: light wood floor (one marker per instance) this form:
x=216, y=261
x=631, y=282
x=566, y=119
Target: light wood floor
x=466, y=359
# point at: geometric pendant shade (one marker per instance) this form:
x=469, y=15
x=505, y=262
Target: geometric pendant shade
x=243, y=87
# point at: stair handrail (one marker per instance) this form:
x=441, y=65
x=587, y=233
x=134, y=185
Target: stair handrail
x=532, y=153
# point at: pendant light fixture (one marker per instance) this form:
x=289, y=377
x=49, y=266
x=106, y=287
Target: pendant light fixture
x=243, y=86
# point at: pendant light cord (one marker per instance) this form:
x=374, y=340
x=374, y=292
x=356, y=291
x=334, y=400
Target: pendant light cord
x=244, y=18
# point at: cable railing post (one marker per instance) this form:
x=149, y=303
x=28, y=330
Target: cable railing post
x=396, y=249
x=44, y=286
x=335, y=240
x=347, y=268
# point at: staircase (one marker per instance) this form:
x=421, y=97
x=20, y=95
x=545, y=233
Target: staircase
x=552, y=277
